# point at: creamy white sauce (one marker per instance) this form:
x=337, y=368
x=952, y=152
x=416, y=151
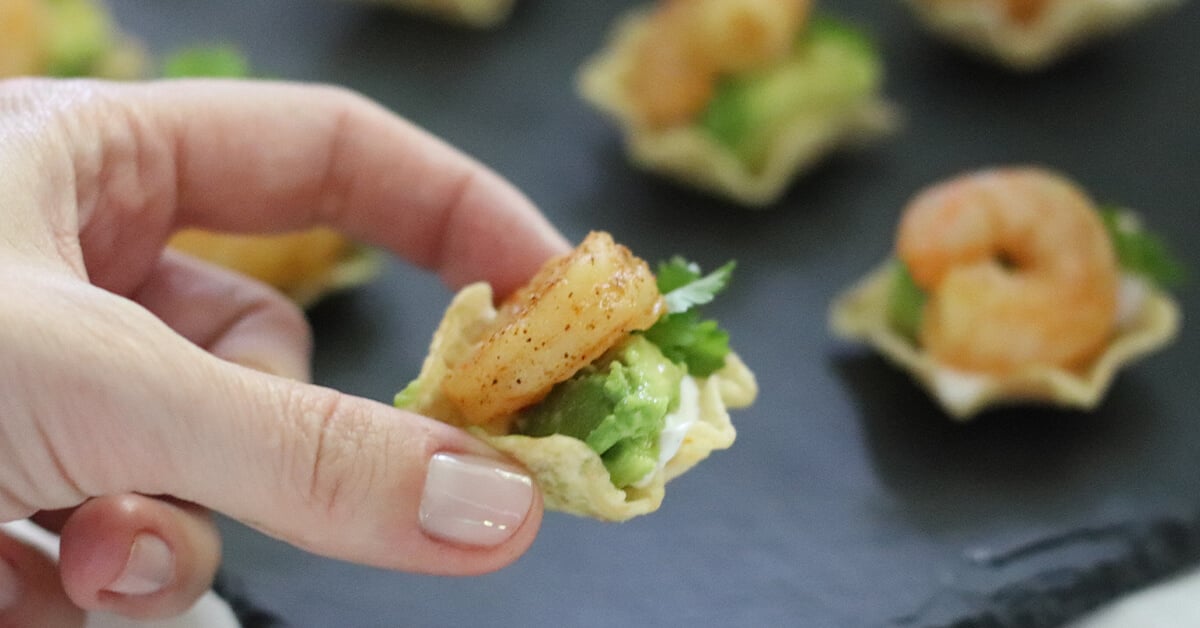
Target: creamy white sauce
x=676, y=428
x=957, y=388
x=1132, y=293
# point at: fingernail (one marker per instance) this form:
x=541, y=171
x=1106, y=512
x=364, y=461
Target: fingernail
x=473, y=500
x=147, y=570
x=10, y=586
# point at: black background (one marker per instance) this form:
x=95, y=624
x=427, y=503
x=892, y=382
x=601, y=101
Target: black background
x=848, y=500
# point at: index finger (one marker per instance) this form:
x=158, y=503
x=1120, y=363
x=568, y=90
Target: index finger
x=262, y=157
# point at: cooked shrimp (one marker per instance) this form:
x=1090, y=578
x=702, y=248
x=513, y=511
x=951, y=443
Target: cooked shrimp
x=24, y=36
x=1018, y=268
x=576, y=307
x=690, y=43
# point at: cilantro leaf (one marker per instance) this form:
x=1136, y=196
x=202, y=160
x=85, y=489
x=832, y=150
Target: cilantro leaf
x=681, y=335
x=1139, y=251
x=700, y=344
x=683, y=288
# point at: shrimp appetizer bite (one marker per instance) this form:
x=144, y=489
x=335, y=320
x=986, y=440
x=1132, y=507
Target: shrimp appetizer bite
x=737, y=97
x=1030, y=34
x=598, y=376
x=64, y=38
x=1010, y=285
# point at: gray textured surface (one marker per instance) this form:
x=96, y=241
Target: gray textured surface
x=848, y=499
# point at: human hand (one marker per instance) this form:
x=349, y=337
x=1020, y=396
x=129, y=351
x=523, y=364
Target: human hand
x=125, y=370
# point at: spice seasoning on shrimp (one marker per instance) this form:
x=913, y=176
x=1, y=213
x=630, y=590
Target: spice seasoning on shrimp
x=1010, y=285
x=737, y=96
x=599, y=376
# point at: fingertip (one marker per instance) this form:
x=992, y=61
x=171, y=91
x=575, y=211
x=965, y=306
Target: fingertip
x=31, y=593
x=138, y=556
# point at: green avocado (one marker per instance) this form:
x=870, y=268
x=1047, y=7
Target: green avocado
x=832, y=67
x=81, y=36
x=906, y=302
x=617, y=405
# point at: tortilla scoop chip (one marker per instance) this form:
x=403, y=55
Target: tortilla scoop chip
x=984, y=26
x=861, y=313
x=689, y=155
x=571, y=476
x=304, y=265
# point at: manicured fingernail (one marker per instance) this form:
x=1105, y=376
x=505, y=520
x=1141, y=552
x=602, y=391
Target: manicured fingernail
x=147, y=570
x=10, y=586
x=473, y=500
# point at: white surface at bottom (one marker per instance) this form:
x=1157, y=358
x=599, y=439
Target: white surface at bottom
x=1172, y=604
x=209, y=612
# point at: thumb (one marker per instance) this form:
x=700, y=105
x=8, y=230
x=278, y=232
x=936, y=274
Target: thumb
x=351, y=478
x=125, y=404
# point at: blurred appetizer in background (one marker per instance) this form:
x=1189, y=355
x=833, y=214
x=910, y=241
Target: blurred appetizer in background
x=737, y=97
x=65, y=38
x=305, y=265
x=475, y=13
x=1030, y=34
x=600, y=377
x=76, y=38
x=1010, y=285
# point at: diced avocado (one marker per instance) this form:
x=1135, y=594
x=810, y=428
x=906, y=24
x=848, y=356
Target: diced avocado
x=82, y=33
x=617, y=406
x=906, y=301
x=219, y=61
x=832, y=67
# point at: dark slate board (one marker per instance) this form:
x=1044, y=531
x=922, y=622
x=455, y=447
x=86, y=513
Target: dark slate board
x=848, y=499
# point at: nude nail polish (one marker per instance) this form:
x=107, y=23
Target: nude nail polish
x=148, y=569
x=473, y=500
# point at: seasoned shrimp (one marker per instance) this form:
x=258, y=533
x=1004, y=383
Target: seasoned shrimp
x=24, y=33
x=575, y=308
x=1018, y=268
x=690, y=43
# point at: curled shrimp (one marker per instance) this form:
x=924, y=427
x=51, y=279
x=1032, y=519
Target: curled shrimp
x=573, y=310
x=24, y=36
x=1018, y=267
x=691, y=43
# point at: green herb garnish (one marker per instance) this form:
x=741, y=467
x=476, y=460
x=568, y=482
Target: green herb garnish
x=1139, y=251
x=682, y=335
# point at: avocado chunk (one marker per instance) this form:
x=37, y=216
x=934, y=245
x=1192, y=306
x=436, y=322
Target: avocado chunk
x=617, y=406
x=831, y=68
x=82, y=34
x=906, y=302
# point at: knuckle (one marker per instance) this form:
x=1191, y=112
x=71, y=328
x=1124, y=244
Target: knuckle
x=333, y=474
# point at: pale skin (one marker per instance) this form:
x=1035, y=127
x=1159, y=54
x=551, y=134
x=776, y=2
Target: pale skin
x=130, y=372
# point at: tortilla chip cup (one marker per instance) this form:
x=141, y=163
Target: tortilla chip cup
x=861, y=313
x=571, y=476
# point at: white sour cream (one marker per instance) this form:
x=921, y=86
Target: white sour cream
x=676, y=428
